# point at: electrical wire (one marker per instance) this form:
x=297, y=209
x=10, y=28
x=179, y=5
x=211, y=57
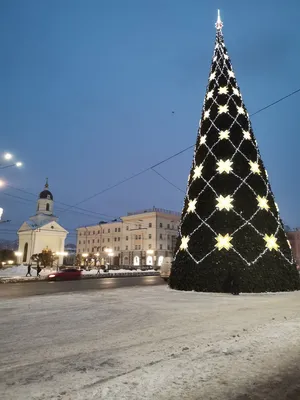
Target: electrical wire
x=168, y=158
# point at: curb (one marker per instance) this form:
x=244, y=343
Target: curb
x=86, y=276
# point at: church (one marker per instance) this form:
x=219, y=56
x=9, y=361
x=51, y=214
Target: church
x=42, y=230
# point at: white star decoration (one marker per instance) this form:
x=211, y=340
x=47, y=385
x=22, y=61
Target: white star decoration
x=192, y=206
x=247, y=135
x=263, y=203
x=226, y=56
x=236, y=92
x=224, y=203
x=254, y=167
x=215, y=59
x=223, y=109
x=206, y=114
x=223, y=90
x=231, y=74
x=224, y=166
x=184, y=242
x=212, y=76
x=203, y=139
x=198, y=171
x=223, y=242
x=223, y=135
x=209, y=94
x=271, y=242
x=240, y=110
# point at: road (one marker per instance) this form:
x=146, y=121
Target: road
x=25, y=289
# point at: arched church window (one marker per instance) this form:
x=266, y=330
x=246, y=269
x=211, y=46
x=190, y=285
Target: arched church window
x=25, y=252
x=47, y=207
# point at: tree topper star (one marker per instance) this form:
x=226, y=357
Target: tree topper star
x=223, y=242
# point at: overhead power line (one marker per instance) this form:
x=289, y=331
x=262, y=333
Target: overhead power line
x=168, y=158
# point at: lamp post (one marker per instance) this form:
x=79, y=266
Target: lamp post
x=19, y=255
x=109, y=253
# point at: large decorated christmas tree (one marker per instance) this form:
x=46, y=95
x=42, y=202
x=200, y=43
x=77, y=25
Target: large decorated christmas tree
x=230, y=228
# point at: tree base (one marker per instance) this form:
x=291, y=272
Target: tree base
x=220, y=278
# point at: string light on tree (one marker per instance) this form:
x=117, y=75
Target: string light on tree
x=237, y=228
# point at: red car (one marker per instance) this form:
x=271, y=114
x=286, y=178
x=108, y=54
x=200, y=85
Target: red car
x=65, y=274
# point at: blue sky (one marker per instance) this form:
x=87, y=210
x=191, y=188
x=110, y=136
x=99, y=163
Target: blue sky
x=88, y=89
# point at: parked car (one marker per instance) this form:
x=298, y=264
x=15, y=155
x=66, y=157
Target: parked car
x=165, y=268
x=65, y=274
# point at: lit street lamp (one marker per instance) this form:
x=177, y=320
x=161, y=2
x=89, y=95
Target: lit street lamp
x=59, y=254
x=8, y=156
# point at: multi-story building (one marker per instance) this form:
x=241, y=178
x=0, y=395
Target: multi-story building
x=140, y=238
x=294, y=239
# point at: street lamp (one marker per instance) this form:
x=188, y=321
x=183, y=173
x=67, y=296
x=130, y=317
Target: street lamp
x=19, y=255
x=8, y=156
x=60, y=253
x=10, y=262
x=2, y=183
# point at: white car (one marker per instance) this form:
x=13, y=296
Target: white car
x=165, y=268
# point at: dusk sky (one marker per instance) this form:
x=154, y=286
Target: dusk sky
x=88, y=89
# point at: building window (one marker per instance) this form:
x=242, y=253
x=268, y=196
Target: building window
x=160, y=225
x=79, y=233
x=168, y=226
x=103, y=240
x=88, y=242
x=98, y=232
x=93, y=232
x=79, y=242
x=108, y=239
x=160, y=236
x=126, y=248
x=135, y=247
x=115, y=239
x=47, y=207
x=150, y=225
x=160, y=246
x=139, y=247
x=78, y=251
x=140, y=237
x=168, y=237
x=93, y=240
x=150, y=236
x=126, y=237
x=116, y=230
x=103, y=231
x=119, y=229
x=136, y=236
x=149, y=246
x=108, y=231
x=168, y=247
x=127, y=228
x=98, y=241
x=118, y=239
x=88, y=250
x=103, y=248
x=118, y=248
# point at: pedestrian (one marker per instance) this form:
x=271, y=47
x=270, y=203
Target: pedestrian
x=235, y=283
x=98, y=270
x=38, y=270
x=29, y=270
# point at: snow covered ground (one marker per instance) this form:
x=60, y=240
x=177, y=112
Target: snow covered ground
x=150, y=343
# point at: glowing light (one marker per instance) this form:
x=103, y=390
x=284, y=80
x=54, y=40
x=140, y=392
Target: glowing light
x=240, y=110
x=8, y=156
x=263, y=203
x=224, y=166
x=84, y=255
x=223, y=109
x=224, y=203
x=247, y=135
x=289, y=244
x=203, y=139
x=223, y=242
x=266, y=172
x=223, y=90
x=206, y=114
x=1, y=212
x=277, y=208
x=212, y=76
x=226, y=56
x=19, y=164
x=184, y=242
x=254, y=167
x=198, y=171
x=209, y=95
x=219, y=23
x=231, y=73
x=2, y=183
x=271, y=242
x=236, y=92
x=215, y=58
x=192, y=206
x=224, y=135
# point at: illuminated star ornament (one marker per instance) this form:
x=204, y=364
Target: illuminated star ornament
x=247, y=135
x=223, y=90
x=223, y=109
x=212, y=76
x=263, y=203
x=224, y=203
x=192, y=206
x=198, y=171
x=224, y=166
x=184, y=242
x=224, y=135
x=240, y=110
x=223, y=242
x=271, y=242
x=236, y=92
x=206, y=114
x=203, y=139
x=231, y=74
x=210, y=95
x=219, y=23
x=254, y=167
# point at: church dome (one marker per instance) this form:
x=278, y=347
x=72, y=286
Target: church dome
x=46, y=194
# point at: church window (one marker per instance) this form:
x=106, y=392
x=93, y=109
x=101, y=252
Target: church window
x=25, y=252
x=52, y=227
x=115, y=239
x=118, y=239
x=98, y=232
x=116, y=230
x=119, y=229
x=47, y=207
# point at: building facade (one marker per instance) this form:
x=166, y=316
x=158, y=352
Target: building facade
x=140, y=238
x=42, y=230
x=294, y=239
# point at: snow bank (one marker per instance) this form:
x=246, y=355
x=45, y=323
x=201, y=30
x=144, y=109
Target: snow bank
x=20, y=271
x=149, y=343
x=111, y=271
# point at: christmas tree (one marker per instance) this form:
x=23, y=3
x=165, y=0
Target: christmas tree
x=230, y=228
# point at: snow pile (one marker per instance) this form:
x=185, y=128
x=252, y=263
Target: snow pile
x=20, y=271
x=150, y=343
x=111, y=271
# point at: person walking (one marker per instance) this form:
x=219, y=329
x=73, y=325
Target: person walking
x=38, y=270
x=29, y=270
